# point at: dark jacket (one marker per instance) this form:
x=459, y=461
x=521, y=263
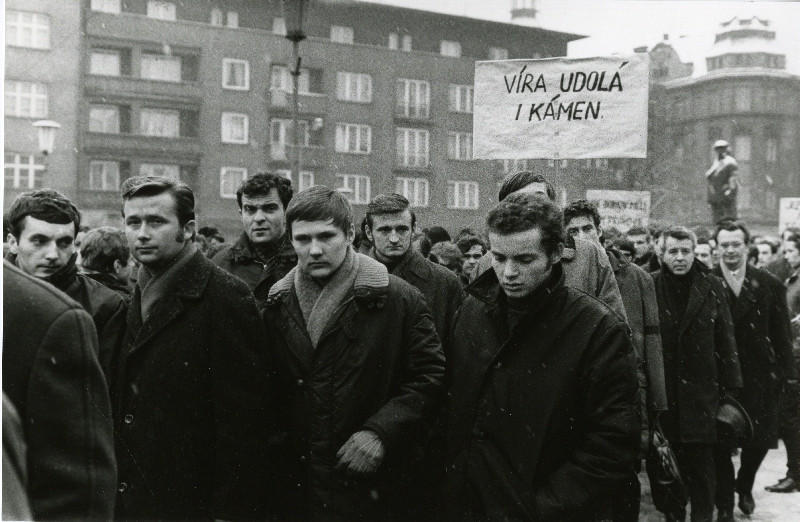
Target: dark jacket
x=764, y=343
x=53, y=378
x=106, y=306
x=543, y=420
x=240, y=260
x=441, y=288
x=378, y=366
x=649, y=262
x=112, y=283
x=700, y=359
x=188, y=398
x=639, y=297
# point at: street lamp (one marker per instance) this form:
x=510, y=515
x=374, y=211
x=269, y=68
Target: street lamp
x=46, y=132
x=295, y=13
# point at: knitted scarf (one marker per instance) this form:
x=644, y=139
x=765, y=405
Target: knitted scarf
x=153, y=286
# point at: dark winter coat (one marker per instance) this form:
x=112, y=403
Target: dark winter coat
x=188, y=399
x=111, y=282
x=543, y=419
x=240, y=260
x=700, y=360
x=378, y=366
x=52, y=376
x=764, y=343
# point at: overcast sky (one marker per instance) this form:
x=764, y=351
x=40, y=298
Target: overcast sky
x=618, y=26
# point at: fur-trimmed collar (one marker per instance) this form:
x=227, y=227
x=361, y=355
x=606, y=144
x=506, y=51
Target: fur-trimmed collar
x=372, y=282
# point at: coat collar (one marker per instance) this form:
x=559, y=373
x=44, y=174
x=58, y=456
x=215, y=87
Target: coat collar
x=241, y=251
x=371, y=283
x=699, y=291
x=747, y=298
x=413, y=263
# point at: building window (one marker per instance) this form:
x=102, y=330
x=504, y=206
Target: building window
x=412, y=148
x=406, y=42
x=459, y=145
x=448, y=48
x=230, y=179
x=104, y=176
x=354, y=87
x=235, y=74
x=461, y=98
x=159, y=122
x=233, y=19
x=394, y=41
x=413, y=98
x=462, y=195
x=498, y=53
x=511, y=166
x=341, y=34
x=234, y=128
x=281, y=80
x=106, y=6
x=281, y=134
x=279, y=25
x=306, y=178
x=771, y=150
x=25, y=29
x=161, y=67
x=415, y=190
x=171, y=172
x=355, y=188
x=22, y=172
x=741, y=147
x=354, y=138
x=25, y=99
x=216, y=17
x=104, y=118
x=104, y=63
x=743, y=98
x=161, y=10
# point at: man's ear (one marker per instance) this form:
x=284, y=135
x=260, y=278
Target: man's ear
x=13, y=246
x=351, y=233
x=555, y=257
x=368, y=232
x=119, y=266
x=189, y=229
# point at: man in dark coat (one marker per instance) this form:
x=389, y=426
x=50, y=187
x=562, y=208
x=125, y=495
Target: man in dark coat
x=189, y=386
x=53, y=378
x=700, y=365
x=44, y=224
x=764, y=342
x=390, y=227
x=106, y=258
x=543, y=419
x=263, y=253
x=357, y=367
x=582, y=221
x=722, y=186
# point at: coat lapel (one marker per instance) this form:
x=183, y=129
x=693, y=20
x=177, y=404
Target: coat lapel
x=698, y=292
x=747, y=297
x=295, y=332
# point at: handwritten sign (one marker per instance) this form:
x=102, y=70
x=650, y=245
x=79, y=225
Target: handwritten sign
x=789, y=214
x=561, y=108
x=622, y=209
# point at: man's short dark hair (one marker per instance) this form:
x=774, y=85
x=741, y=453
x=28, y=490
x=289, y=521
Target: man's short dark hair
x=261, y=183
x=582, y=207
x=149, y=186
x=679, y=233
x=320, y=203
x=794, y=238
x=703, y=240
x=436, y=234
x=424, y=243
x=520, y=180
x=45, y=205
x=773, y=247
x=625, y=245
x=448, y=255
x=465, y=243
x=521, y=212
x=101, y=247
x=732, y=226
x=208, y=232
x=637, y=231
x=389, y=204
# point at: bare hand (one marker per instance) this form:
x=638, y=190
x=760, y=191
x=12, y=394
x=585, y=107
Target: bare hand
x=362, y=454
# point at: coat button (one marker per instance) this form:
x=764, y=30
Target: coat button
x=300, y=382
x=128, y=418
x=122, y=488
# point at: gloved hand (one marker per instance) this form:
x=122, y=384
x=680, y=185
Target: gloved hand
x=362, y=454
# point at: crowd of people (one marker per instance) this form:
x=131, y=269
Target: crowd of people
x=315, y=368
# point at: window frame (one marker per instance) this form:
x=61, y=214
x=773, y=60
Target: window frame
x=232, y=19
x=236, y=61
x=160, y=10
x=35, y=99
x=113, y=187
x=225, y=135
x=146, y=57
x=33, y=28
x=461, y=98
x=165, y=115
x=105, y=52
x=353, y=87
x=407, y=89
x=344, y=133
x=18, y=167
x=410, y=189
x=108, y=107
x=402, y=156
x=342, y=34
x=456, y=145
x=101, y=6
x=450, y=48
x=460, y=197
x=216, y=17
x=498, y=53
x=223, y=171
x=348, y=190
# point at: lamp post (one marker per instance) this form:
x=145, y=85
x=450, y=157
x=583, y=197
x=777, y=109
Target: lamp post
x=295, y=13
x=46, y=133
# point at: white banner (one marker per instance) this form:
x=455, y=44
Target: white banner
x=789, y=214
x=622, y=209
x=556, y=108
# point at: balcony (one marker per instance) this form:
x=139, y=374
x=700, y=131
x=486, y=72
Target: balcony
x=176, y=149
x=126, y=86
x=310, y=155
x=310, y=103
